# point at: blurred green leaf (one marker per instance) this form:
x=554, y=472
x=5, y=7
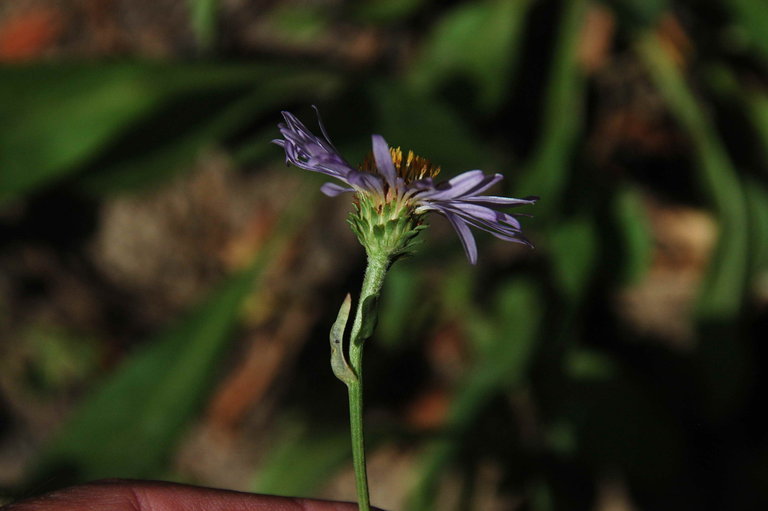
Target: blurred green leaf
x=50, y=132
x=724, y=288
x=750, y=17
x=546, y=173
x=475, y=40
x=301, y=459
x=128, y=427
x=170, y=140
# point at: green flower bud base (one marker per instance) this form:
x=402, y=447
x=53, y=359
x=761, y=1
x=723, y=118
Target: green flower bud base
x=385, y=229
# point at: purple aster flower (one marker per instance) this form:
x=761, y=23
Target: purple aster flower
x=395, y=184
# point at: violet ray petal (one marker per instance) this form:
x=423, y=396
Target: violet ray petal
x=487, y=217
x=322, y=127
x=491, y=180
x=499, y=230
x=306, y=151
x=365, y=181
x=469, y=183
x=484, y=213
x=384, y=159
x=502, y=201
x=465, y=235
x=333, y=189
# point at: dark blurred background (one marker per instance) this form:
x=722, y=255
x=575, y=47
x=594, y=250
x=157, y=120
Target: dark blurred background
x=167, y=284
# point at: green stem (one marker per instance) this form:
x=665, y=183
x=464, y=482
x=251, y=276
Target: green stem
x=365, y=319
x=358, y=444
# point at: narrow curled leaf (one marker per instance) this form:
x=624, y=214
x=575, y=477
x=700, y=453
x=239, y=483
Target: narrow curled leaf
x=339, y=364
x=370, y=318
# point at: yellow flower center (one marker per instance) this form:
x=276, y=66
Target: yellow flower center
x=410, y=167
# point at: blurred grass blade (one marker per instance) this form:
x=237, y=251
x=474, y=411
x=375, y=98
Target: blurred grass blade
x=49, y=132
x=757, y=109
x=477, y=41
x=546, y=173
x=129, y=426
x=757, y=201
x=634, y=231
x=574, y=248
x=203, y=14
x=502, y=364
x=723, y=291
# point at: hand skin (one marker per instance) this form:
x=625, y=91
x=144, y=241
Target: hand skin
x=128, y=495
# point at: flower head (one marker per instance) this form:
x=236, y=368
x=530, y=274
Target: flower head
x=394, y=190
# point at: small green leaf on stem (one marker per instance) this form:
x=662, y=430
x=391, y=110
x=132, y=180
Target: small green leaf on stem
x=370, y=316
x=338, y=362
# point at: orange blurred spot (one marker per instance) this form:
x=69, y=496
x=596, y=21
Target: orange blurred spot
x=429, y=410
x=29, y=34
x=675, y=39
x=596, y=38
